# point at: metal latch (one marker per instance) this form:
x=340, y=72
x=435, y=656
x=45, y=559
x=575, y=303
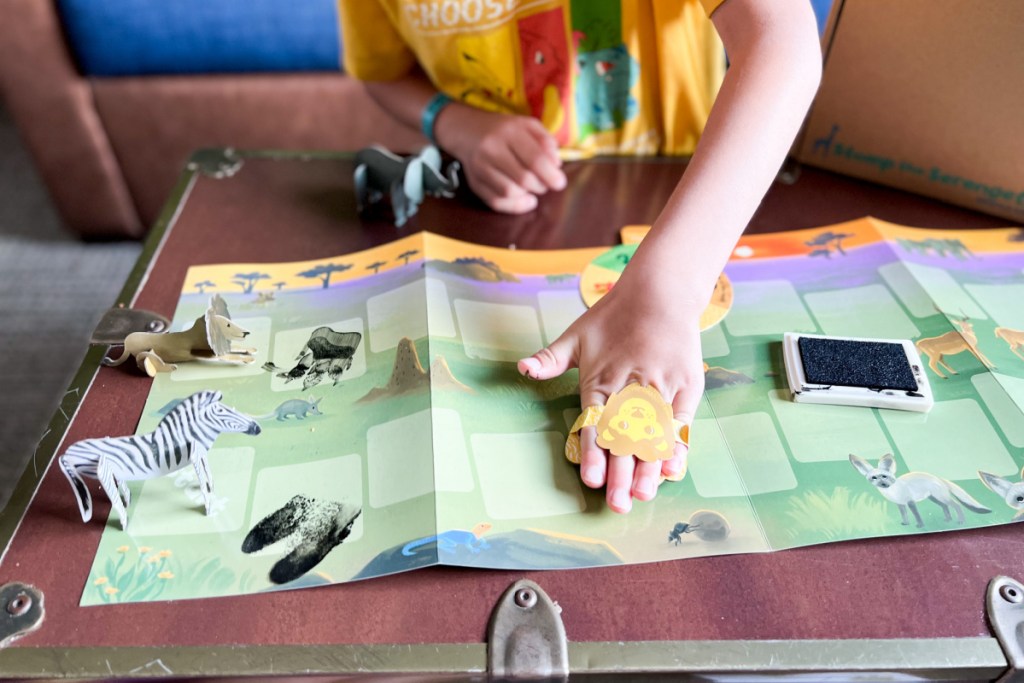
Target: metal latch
x=21, y=611
x=1005, y=605
x=526, y=637
x=118, y=322
x=215, y=162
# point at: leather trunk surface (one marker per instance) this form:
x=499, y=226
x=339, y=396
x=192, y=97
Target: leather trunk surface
x=284, y=209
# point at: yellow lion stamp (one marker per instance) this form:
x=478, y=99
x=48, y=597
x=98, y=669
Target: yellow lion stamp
x=637, y=421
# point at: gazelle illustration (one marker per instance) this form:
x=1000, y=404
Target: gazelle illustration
x=1015, y=338
x=951, y=343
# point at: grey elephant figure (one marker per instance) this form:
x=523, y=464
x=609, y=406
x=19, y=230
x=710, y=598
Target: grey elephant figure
x=405, y=179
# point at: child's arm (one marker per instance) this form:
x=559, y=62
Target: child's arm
x=508, y=160
x=646, y=328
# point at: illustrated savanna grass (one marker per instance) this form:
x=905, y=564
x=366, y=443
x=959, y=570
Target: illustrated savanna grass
x=818, y=517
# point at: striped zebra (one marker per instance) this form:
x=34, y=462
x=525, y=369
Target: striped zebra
x=183, y=436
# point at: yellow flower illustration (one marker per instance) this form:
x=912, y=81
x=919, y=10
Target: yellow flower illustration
x=165, y=575
x=100, y=581
x=110, y=590
x=144, y=548
x=123, y=548
x=152, y=559
x=164, y=553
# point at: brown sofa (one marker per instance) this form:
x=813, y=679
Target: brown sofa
x=110, y=149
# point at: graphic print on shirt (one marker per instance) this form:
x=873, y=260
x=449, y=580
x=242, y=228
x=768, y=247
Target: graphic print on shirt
x=487, y=62
x=547, y=70
x=607, y=71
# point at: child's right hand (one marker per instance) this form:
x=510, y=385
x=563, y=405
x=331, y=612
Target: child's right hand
x=508, y=160
x=645, y=330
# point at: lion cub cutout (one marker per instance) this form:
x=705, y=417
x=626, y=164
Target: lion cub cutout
x=637, y=421
x=212, y=337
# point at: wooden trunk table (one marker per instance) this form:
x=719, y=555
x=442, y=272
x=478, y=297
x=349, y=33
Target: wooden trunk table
x=913, y=604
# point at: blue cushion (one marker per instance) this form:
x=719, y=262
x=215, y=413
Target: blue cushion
x=134, y=37
x=821, y=10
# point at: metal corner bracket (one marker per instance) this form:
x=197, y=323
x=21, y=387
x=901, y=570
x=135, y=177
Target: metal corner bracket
x=526, y=637
x=1004, y=604
x=120, y=321
x=215, y=162
x=21, y=611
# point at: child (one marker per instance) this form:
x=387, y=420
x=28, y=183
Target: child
x=507, y=105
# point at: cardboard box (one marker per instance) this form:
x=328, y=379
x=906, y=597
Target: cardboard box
x=926, y=96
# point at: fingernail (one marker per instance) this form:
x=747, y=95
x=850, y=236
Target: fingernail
x=645, y=487
x=530, y=365
x=622, y=500
x=592, y=476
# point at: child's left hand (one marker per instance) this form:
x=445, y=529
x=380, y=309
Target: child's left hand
x=641, y=331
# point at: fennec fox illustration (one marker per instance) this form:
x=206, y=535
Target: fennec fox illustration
x=1012, y=492
x=911, y=488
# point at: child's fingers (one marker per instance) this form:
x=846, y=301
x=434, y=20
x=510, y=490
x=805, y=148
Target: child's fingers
x=549, y=173
x=531, y=183
x=686, y=401
x=489, y=179
x=543, y=137
x=645, y=479
x=675, y=466
x=516, y=165
x=501, y=194
x=684, y=406
x=551, y=361
x=620, y=483
x=541, y=165
x=593, y=461
x=514, y=205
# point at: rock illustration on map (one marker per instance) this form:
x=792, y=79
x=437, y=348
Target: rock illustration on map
x=408, y=375
x=717, y=376
x=517, y=548
x=473, y=268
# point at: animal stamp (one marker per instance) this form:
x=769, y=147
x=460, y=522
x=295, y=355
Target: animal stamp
x=637, y=421
x=310, y=528
x=326, y=352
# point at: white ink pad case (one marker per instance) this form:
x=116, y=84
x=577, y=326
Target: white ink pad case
x=850, y=371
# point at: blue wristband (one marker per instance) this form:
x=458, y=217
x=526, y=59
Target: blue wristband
x=430, y=112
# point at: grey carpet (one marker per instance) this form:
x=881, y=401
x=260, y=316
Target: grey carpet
x=53, y=288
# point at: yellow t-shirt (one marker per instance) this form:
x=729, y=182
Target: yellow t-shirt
x=604, y=76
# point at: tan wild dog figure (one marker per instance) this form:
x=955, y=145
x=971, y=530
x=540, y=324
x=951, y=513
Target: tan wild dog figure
x=1015, y=338
x=951, y=343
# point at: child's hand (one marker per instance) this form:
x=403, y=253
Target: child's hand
x=508, y=160
x=640, y=331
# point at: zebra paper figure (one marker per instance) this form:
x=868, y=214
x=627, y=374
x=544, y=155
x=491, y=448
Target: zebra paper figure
x=183, y=437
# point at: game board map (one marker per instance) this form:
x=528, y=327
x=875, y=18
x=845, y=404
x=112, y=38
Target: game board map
x=423, y=445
